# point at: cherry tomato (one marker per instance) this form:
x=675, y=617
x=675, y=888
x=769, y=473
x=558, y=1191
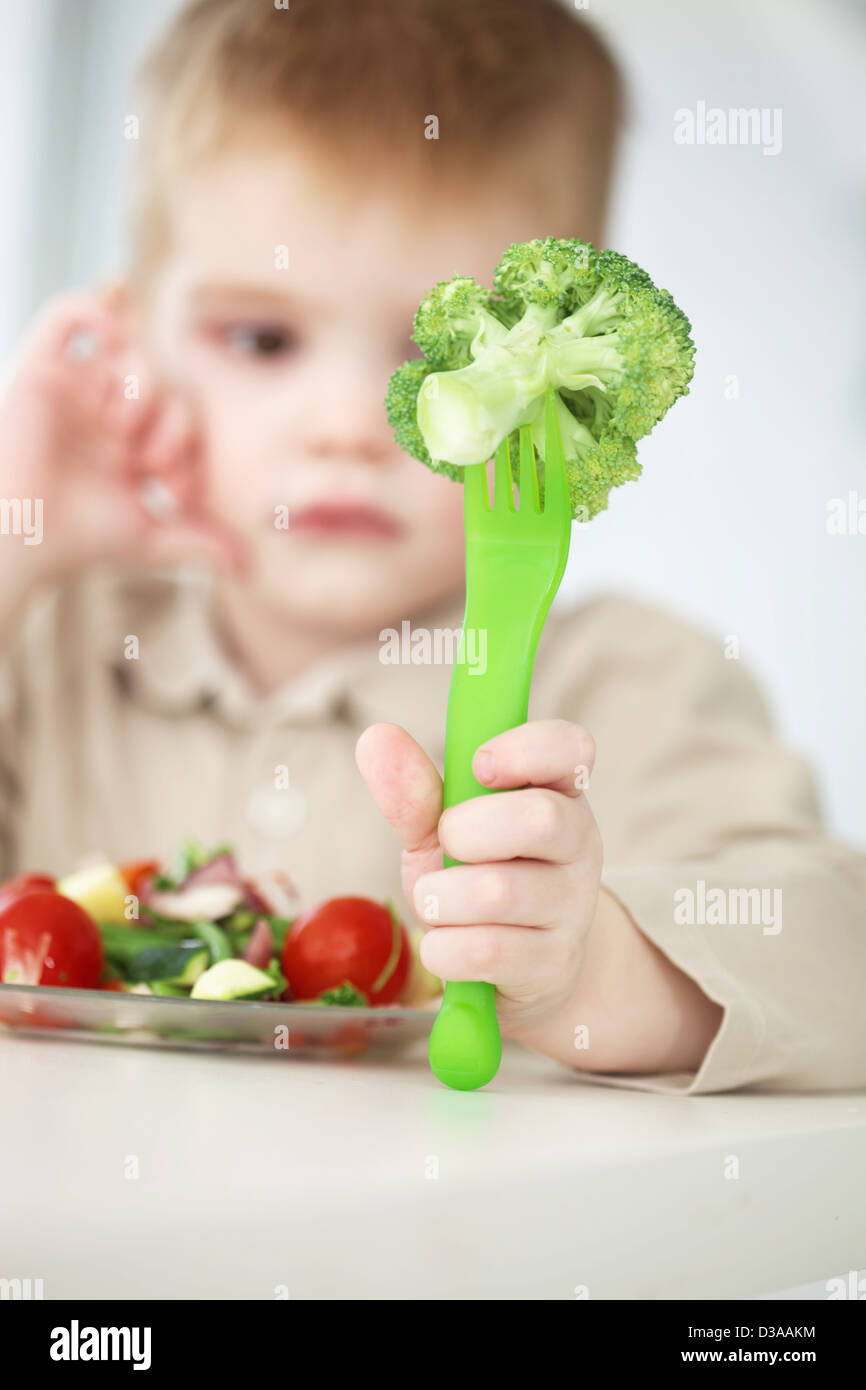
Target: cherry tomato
x=136, y=873
x=16, y=886
x=46, y=939
x=352, y=939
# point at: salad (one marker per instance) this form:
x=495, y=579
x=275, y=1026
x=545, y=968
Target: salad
x=199, y=928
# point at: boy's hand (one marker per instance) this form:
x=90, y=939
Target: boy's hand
x=84, y=429
x=517, y=909
x=525, y=909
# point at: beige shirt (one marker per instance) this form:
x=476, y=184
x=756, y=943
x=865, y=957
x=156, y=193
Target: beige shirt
x=125, y=728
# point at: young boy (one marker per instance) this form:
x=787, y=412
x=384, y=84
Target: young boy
x=292, y=211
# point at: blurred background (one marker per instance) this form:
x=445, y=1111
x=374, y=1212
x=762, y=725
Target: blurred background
x=764, y=251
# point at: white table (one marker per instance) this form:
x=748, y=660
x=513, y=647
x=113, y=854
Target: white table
x=314, y=1180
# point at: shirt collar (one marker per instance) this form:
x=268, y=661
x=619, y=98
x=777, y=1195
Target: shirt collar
x=180, y=665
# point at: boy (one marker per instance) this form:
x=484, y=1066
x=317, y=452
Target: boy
x=291, y=214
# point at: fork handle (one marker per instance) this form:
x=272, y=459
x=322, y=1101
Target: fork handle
x=465, y=1044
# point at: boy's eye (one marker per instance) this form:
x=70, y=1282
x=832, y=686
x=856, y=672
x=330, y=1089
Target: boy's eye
x=260, y=340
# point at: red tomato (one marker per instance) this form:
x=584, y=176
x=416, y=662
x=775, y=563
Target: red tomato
x=46, y=939
x=22, y=883
x=352, y=939
x=113, y=986
x=137, y=872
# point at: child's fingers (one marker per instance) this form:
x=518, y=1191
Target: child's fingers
x=75, y=326
x=165, y=468
x=73, y=355
x=407, y=788
x=518, y=960
x=138, y=405
x=515, y=894
x=544, y=753
x=168, y=442
x=534, y=823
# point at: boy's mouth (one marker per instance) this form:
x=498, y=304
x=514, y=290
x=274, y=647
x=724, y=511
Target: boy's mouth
x=344, y=519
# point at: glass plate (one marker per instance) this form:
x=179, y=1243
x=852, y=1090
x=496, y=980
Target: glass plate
x=242, y=1025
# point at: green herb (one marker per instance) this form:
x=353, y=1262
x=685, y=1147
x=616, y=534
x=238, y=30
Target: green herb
x=280, y=927
x=279, y=979
x=344, y=995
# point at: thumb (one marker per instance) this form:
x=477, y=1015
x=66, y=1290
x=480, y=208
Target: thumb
x=407, y=788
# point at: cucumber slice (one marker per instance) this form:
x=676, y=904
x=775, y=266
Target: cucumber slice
x=233, y=979
x=174, y=965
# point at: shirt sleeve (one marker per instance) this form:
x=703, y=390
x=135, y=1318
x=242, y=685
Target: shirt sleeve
x=714, y=846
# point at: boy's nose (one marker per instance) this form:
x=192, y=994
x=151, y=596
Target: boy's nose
x=349, y=423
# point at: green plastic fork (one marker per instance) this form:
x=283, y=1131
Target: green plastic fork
x=515, y=558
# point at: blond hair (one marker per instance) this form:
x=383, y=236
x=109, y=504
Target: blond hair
x=366, y=80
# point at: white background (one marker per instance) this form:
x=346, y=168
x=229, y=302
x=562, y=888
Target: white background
x=765, y=253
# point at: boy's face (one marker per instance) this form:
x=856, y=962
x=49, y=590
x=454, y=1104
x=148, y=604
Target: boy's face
x=283, y=304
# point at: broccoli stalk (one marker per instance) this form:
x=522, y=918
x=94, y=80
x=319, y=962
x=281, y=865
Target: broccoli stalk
x=615, y=348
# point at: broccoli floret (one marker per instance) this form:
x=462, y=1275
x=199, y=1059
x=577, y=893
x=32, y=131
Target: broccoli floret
x=457, y=318
x=593, y=325
x=548, y=273
x=401, y=408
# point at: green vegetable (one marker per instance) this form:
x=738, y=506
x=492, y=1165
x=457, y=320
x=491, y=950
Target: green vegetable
x=593, y=325
x=279, y=979
x=216, y=940
x=169, y=928
x=174, y=965
x=122, y=944
x=171, y=991
x=279, y=930
x=241, y=924
x=243, y=919
x=234, y=979
x=191, y=855
x=345, y=995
